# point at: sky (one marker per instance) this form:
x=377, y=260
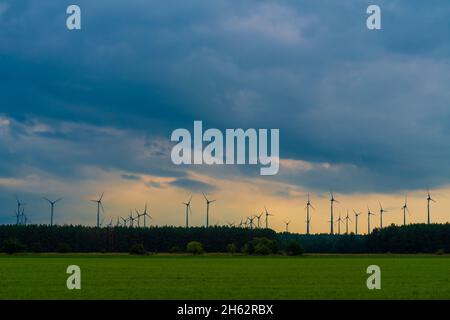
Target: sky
x=364, y=113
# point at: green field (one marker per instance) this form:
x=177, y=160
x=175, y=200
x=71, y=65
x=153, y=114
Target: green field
x=224, y=277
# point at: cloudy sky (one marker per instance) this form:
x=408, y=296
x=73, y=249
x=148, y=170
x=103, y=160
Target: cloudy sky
x=363, y=113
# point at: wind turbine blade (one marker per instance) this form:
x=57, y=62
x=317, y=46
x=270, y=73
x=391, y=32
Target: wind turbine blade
x=205, y=197
x=58, y=200
x=101, y=196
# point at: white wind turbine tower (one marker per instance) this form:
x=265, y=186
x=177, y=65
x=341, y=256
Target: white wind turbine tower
x=19, y=212
x=52, y=207
x=381, y=215
x=138, y=217
x=259, y=219
x=132, y=219
x=428, y=206
x=250, y=221
x=207, y=208
x=287, y=225
x=145, y=215
x=99, y=205
x=357, y=214
x=332, y=200
x=368, y=219
x=339, y=221
x=308, y=217
x=405, y=208
x=347, y=219
x=267, y=217
x=188, y=210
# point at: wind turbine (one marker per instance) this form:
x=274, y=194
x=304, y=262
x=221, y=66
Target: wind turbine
x=339, y=221
x=428, y=206
x=132, y=219
x=259, y=219
x=250, y=221
x=19, y=214
x=368, y=219
x=145, y=215
x=118, y=222
x=125, y=221
x=347, y=219
x=287, y=225
x=381, y=215
x=52, y=207
x=357, y=214
x=267, y=217
x=405, y=208
x=308, y=219
x=22, y=218
x=99, y=205
x=138, y=217
x=207, y=208
x=241, y=223
x=188, y=210
x=332, y=200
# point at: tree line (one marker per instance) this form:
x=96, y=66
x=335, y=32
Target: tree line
x=413, y=238
x=416, y=238
x=43, y=238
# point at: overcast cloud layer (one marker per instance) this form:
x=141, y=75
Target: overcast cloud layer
x=358, y=110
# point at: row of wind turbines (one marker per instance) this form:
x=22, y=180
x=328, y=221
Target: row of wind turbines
x=131, y=220
x=248, y=222
x=347, y=218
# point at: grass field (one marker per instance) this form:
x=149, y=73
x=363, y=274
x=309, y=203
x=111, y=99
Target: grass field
x=224, y=277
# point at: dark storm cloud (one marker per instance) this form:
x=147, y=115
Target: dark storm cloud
x=373, y=104
x=66, y=149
